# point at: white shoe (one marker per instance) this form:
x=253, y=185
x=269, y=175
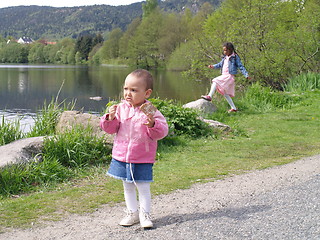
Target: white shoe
x=131, y=218
x=145, y=220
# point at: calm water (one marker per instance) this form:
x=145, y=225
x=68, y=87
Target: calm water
x=25, y=88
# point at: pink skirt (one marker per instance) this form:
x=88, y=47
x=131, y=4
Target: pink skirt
x=225, y=84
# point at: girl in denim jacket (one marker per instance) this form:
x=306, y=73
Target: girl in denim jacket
x=225, y=84
x=135, y=145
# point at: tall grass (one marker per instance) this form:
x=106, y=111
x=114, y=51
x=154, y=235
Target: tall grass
x=77, y=148
x=46, y=119
x=262, y=99
x=10, y=131
x=304, y=82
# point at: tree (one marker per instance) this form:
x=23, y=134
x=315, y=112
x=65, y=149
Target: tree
x=83, y=46
x=36, y=53
x=110, y=48
x=143, y=47
x=127, y=36
x=149, y=7
x=14, y=53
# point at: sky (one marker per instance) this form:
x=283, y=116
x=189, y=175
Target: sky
x=64, y=3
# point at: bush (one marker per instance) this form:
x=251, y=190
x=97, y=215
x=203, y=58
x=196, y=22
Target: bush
x=182, y=121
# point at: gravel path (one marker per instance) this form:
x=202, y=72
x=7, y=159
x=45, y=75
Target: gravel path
x=276, y=203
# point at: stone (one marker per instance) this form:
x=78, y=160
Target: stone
x=69, y=119
x=216, y=124
x=206, y=107
x=22, y=150
x=202, y=105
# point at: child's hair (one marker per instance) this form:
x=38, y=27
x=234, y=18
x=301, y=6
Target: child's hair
x=144, y=75
x=229, y=46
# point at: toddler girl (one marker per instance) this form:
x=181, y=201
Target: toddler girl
x=135, y=145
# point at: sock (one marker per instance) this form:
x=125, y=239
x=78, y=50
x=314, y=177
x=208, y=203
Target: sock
x=229, y=100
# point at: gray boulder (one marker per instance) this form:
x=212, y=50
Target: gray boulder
x=205, y=107
x=202, y=105
x=69, y=119
x=20, y=151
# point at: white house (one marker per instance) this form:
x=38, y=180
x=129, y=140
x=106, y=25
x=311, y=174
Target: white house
x=25, y=40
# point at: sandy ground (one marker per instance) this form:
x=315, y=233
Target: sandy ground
x=171, y=212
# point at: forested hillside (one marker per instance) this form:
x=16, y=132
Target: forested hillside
x=56, y=23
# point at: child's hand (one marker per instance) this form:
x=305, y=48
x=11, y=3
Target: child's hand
x=112, y=112
x=150, y=121
x=210, y=66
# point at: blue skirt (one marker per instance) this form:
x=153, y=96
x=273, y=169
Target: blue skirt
x=142, y=172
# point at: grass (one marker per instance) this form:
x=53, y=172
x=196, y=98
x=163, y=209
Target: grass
x=274, y=135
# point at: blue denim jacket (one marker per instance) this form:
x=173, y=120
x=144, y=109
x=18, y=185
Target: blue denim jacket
x=234, y=64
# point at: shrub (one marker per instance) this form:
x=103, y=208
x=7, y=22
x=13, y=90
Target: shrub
x=182, y=121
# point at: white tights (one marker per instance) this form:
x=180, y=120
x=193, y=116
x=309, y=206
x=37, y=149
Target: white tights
x=227, y=97
x=130, y=196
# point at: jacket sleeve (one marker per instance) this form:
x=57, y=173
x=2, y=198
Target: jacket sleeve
x=160, y=128
x=241, y=67
x=218, y=65
x=109, y=126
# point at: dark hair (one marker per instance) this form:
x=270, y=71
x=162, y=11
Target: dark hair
x=229, y=46
x=146, y=76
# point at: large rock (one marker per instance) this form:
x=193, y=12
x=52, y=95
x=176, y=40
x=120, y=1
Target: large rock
x=23, y=150
x=69, y=119
x=205, y=107
x=202, y=105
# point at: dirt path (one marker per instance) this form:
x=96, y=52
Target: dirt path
x=177, y=214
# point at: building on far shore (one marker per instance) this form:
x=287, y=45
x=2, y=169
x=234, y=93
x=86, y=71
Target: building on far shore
x=25, y=40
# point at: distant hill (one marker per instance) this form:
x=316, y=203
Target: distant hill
x=56, y=23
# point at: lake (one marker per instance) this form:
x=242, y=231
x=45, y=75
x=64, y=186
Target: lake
x=25, y=88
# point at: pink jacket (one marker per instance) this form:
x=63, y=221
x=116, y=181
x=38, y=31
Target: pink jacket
x=134, y=142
